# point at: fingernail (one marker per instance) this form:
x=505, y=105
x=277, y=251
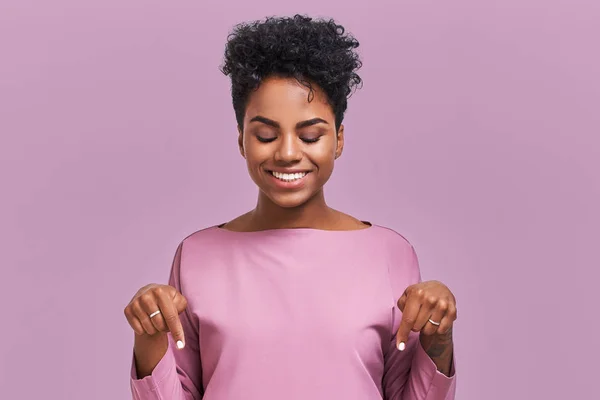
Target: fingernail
x=180, y=344
x=401, y=346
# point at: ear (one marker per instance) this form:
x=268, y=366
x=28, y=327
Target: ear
x=340, y=142
x=241, y=142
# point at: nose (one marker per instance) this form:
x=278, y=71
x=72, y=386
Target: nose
x=289, y=149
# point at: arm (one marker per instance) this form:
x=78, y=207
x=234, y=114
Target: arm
x=160, y=370
x=440, y=348
x=413, y=374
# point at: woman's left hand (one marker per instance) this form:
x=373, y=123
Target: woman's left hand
x=427, y=307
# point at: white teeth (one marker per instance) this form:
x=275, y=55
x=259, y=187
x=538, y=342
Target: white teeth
x=289, y=177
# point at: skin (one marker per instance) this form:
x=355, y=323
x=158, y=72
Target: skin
x=283, y=131
x=279, y=111
x=430, y=300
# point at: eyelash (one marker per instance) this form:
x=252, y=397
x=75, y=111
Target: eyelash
x=315, y=140
x=269, y=140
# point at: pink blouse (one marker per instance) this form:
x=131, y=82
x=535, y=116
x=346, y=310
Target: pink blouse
x=294, y=314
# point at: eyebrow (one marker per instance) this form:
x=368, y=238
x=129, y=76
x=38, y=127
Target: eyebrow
x=299, y=125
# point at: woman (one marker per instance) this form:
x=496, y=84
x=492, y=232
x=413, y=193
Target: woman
x=293, y=300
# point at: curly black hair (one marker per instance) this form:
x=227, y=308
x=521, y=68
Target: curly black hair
x=313, y=51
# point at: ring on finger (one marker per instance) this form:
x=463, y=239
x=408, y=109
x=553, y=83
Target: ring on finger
x=432, y=322
x=154, y=314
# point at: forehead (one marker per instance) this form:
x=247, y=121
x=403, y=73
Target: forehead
x=284, y=99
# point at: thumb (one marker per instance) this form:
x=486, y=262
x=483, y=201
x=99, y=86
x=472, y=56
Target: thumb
x=180, y=302
x=402, y=302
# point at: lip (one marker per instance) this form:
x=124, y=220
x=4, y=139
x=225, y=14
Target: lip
x=296, y=184
x=288, y=171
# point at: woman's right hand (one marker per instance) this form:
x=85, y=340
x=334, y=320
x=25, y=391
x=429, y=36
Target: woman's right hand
x=165, y=304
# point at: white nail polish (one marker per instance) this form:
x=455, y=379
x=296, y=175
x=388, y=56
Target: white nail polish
x=401, y=346
x=179, y=344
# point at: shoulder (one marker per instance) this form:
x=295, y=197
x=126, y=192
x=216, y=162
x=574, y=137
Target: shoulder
x=403, y=264
x=200, y=250
x=391, y=238
x=208, y=236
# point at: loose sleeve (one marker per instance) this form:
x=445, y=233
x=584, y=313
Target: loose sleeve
x=178, y=375
x=411, y=374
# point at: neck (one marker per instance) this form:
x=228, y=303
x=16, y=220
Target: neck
x=313, y=214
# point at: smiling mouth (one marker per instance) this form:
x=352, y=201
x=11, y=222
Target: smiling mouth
x=288, y=177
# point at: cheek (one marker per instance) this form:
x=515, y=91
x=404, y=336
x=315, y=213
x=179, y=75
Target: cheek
x=254, y=154
x=323, y=155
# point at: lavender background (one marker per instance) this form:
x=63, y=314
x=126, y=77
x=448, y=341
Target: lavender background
x=477, y=135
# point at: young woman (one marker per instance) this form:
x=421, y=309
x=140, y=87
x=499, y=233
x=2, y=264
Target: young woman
x=293, y=300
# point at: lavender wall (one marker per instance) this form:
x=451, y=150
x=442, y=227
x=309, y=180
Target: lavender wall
x=477, y=135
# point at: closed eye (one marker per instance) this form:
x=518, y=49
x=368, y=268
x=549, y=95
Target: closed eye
x=265, y=140
x=311, y=140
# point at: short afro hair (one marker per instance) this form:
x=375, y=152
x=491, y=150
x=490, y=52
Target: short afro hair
x=312, y=51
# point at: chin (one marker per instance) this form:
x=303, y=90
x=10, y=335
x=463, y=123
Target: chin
x=289, y=200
